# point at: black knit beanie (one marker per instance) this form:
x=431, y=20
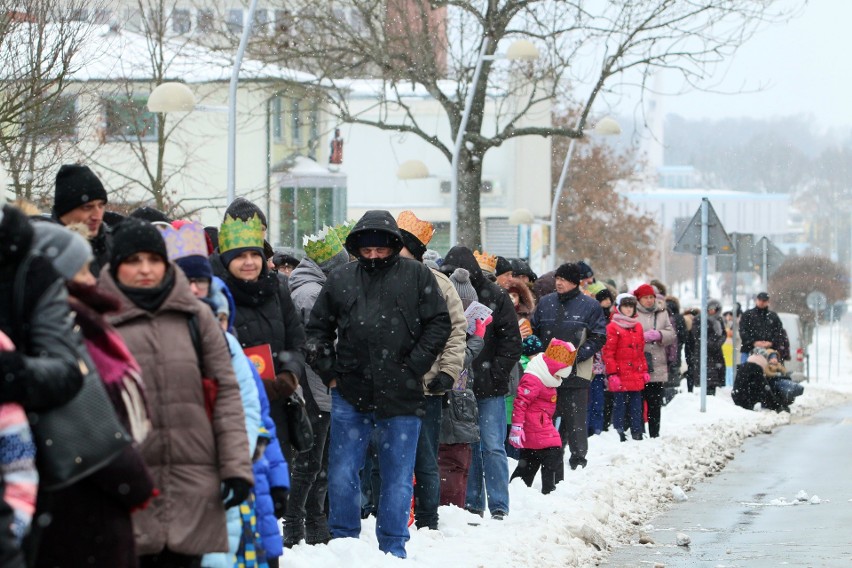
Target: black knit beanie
x=133, y=236
x=76, y=185
x=570, y=272
x=503, y=266
x=243, y=209
x=150, y=214
x=413, y=244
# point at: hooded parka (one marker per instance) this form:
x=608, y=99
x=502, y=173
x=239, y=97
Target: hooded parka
x=390, y=323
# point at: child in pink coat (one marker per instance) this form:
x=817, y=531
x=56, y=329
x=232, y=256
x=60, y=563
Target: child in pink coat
x=532, y=419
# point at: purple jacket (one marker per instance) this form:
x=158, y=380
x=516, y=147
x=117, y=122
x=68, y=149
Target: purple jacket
x=535, y=405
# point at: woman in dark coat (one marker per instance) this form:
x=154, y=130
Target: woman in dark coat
x=91, y=519
x=197, y=452
x=265, y=316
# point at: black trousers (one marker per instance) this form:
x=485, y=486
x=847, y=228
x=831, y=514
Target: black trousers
x=654, y=398
x=550, y=462
x=305, y=515
x=169, y=559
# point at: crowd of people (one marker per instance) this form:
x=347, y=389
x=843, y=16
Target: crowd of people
x=173, y=392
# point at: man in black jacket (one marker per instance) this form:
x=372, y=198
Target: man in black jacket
x=80, y=197
x=570, y=315
x=760, y=327
x=390, y=322
x=491, y=370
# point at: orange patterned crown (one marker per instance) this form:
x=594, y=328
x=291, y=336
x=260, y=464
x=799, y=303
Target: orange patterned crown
x=561, y=351
x=487, y=262
x=422, y=230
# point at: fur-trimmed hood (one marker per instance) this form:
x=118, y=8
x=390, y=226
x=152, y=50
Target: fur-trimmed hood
x=526, y=303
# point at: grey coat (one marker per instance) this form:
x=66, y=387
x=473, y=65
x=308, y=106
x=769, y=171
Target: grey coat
x=306, y=281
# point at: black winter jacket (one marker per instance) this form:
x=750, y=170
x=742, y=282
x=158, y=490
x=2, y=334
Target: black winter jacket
x=493, y=366
x=390, y=322
x=760, y=325
x=266, y=314
x=716, y=337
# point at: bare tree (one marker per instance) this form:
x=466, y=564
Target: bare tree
x=597, y=44
x=140, y=157
x=38, y=43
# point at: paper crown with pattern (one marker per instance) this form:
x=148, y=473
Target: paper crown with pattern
x=236, y=233
x=561, y=351
x=187, y=239
x=344, y=229
x=422, y=230
x=487, y=262
x=324, y=245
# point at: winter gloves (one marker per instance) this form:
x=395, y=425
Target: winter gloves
x=440, y=384
x=653, y=335
x=481, y=325
x=279, y=500
x=238, y=489
x=516, y=436
x=614, y=383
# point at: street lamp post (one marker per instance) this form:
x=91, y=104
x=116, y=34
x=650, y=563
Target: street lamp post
x=605, y=127
x=232, y=103
x=177, y=97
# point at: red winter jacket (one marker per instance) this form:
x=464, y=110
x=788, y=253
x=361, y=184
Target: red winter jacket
x=624, y=354
x=535, y=405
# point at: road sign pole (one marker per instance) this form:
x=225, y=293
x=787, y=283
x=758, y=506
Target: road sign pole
x=765, y=272
x=705, y=237
x=735, y=324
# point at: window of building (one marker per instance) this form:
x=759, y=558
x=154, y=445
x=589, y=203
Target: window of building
x=133, y=19
x=296, y=118
x=277, y=123
x=315, y=132
x=181, y=21
x=204, y=21
x=235, y=20
x=56, y=118
x=306, y=210
x=127, y=118
x=102, y=16
x=283, y=22
x=261, y=21
x=78, y=15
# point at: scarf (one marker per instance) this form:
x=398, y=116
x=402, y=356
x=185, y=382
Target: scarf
x=252, y=293
x=624, y=321
x=570, y=295
x=150, y=299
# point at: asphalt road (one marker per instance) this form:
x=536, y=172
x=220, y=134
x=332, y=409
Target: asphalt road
x=749, y=516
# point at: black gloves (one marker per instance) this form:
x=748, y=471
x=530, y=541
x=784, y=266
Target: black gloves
x=238, y=489
x=279, y=500
x=440, y=384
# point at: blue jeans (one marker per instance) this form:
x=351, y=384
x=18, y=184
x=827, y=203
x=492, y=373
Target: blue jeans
x=489, y=465
x=634, y=402
x=596, y=405
x=397, y=445
x=427, y=490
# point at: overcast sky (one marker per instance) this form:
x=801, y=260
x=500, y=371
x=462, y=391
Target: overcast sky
x=803, y=66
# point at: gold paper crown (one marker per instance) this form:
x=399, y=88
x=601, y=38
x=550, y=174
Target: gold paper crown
x=487, y=262
x=422, y=230
x=323, y=246
x=560, y=352
x=236, y=233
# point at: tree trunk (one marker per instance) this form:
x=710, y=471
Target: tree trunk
x=469, y=226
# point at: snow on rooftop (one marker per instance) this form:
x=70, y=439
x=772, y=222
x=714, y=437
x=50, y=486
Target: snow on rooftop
x=110, y=55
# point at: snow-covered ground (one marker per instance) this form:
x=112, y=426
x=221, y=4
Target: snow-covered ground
x=624, y=485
